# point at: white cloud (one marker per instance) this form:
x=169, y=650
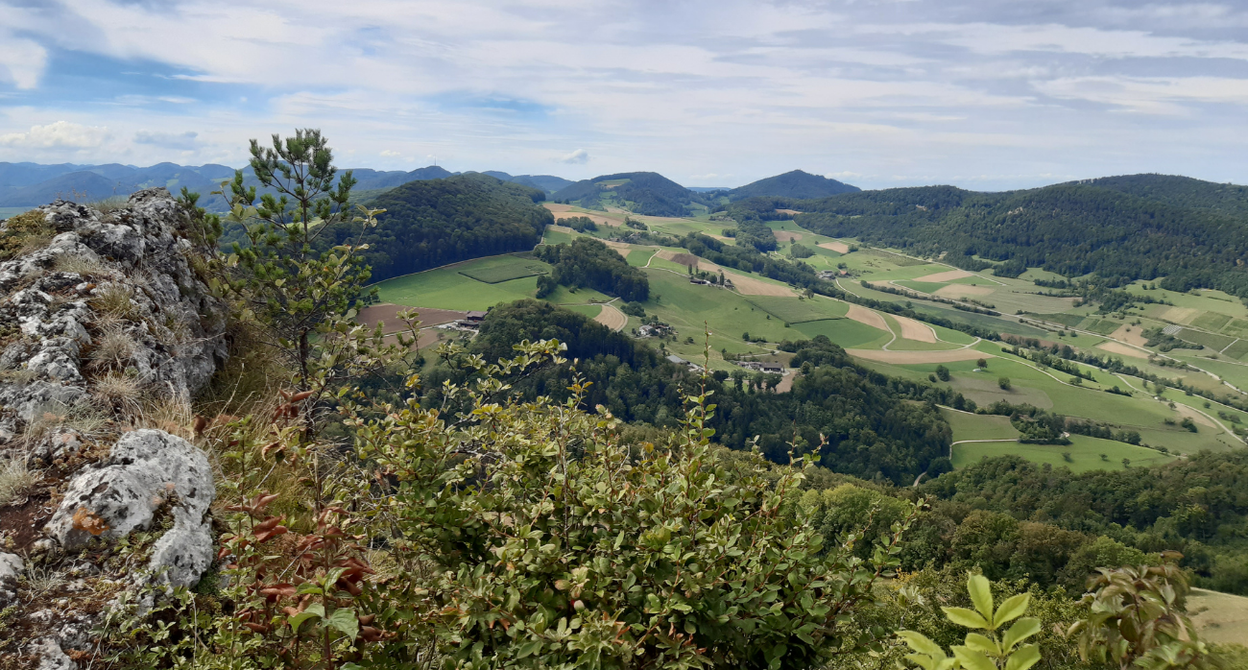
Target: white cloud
x=60, y=135
x=22, y=60
x=682, y=88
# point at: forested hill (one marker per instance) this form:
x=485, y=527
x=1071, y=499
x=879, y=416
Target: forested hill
x=795, y=184
x=641, y=192
x=870, y=426
x=434, y=222
x=546, y=182
x=1073, y=229
x=1180, y=191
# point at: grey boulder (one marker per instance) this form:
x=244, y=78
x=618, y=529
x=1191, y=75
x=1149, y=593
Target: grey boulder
x=146, y=471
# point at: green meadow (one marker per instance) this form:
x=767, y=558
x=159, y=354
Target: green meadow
x=1083, y=454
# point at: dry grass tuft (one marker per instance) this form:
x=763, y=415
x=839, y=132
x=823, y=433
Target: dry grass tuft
x=114, y=350
x=15, y=479
x=115, y=301
x=109, y=205
x=119, y=392
x=170, y=415
x=82, y=265
x=87, y=420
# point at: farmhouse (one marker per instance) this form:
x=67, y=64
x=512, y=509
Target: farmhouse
x=771, y=368
x=471, y=320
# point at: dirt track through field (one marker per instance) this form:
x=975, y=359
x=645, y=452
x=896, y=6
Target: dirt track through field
x=389, y=313
x=1121, y=349
x=838, y=247
x=918, y=357
x=612, y=318
x=915, y=330
x=948, y=275
x=1194, y=415
x=865, y=316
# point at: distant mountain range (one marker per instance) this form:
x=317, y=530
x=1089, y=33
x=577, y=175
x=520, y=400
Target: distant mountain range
x=32, y=184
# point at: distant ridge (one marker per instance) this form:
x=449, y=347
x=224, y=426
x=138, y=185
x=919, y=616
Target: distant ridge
x=545, y=182
x=796, y=184
x=646, y=193
x=32, y=184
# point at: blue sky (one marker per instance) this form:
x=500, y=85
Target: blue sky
x=985, y=94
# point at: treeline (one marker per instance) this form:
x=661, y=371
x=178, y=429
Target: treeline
x=431, y=223
x=1197, y=505
x=869, y=424
x=588, y=262
x=1070, y=229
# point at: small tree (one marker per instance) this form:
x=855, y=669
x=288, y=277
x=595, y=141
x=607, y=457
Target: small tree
x=1004, y=383
x=299, y=288
x=982, y=363
x=1136, y=619
x=942, y=373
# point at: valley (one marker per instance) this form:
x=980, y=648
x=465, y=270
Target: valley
x=770, y=312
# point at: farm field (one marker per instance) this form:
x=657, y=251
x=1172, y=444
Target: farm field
x=1220, y=618
x=504, y=268
x=770, y=312
x=448, y=288
x=1085, y=454
x=978, y=426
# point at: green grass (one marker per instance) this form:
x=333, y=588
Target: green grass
x=1099, y=326
x=921, y=286
x=1211, y=321
x=447, y=288
x=639, y=257
x=978, y=426
x=845, y=332
x=553, y=237
x=1085, y=454
x=896, y=259
x=1210, y=340
x=588, y=310
x=504, y=268
x=800, y=310
x=1238, y=350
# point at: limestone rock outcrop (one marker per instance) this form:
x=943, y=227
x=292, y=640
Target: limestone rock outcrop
x=148, y=472
x=118, y=289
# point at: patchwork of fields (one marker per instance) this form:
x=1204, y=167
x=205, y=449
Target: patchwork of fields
x=758, y=313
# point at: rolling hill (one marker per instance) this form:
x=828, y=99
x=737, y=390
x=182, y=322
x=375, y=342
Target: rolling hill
x=1072, y=229
x=795, y=184
x=646, y=193
x=429, y=223
x=546, y=182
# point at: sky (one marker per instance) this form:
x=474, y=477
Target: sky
x=983, y=94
